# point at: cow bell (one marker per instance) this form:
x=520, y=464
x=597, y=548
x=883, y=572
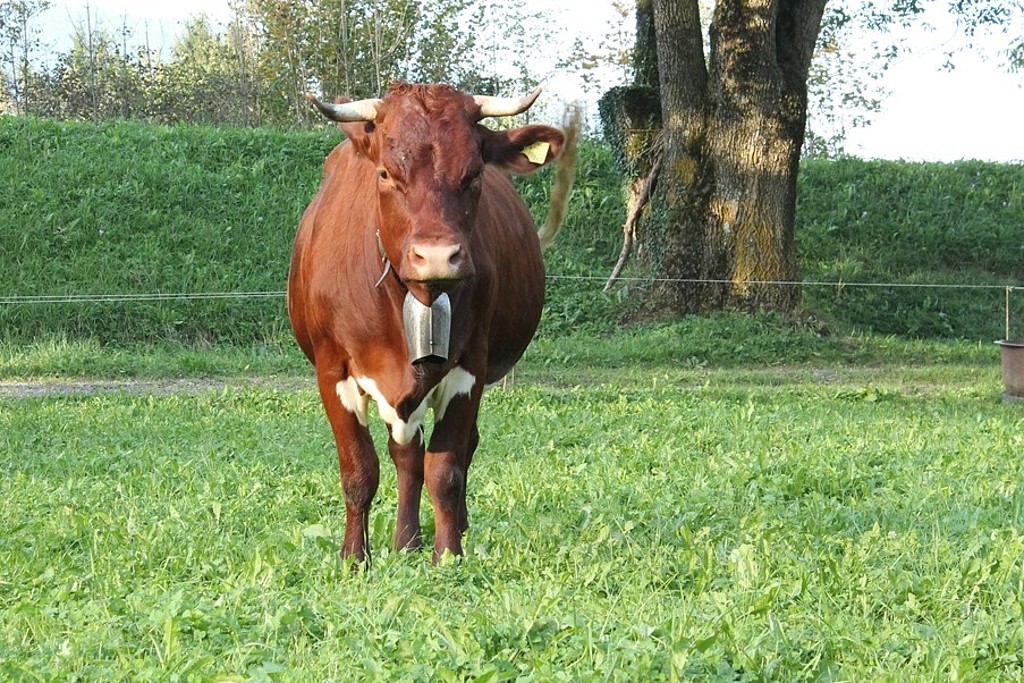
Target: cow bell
x=427, y=328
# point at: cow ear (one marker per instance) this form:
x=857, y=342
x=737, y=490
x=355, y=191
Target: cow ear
x=523, y=150
x=359, y=133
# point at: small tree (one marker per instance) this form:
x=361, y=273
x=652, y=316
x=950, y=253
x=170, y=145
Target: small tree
x=79, y=75
x=200, y=82
x=352, y=47
x=19, y=41
x=445, y=39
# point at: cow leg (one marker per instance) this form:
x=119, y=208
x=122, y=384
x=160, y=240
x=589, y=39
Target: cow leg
x=360, y=469
x=474, y=441
x=446, y=483
x=446, y=466
x=408, y=461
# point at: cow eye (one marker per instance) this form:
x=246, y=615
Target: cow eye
x=470, y=183
x=389, y=182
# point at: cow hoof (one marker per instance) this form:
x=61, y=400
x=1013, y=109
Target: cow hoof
x=356, y=562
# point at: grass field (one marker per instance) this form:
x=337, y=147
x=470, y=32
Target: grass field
x=832, y=496
x=810, y=518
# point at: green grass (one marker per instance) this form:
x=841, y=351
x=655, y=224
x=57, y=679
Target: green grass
x=809, y=518
x=836, y=496
x=726, y=340
x=131, y=209
x=88, y=359
x=123, y=208
x=912, y=224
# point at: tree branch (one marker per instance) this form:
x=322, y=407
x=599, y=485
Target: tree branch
x=629, y=228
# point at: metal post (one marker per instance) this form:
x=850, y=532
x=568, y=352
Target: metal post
x=1008, y=290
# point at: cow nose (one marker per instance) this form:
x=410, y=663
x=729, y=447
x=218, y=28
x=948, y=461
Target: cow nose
x=429, y=262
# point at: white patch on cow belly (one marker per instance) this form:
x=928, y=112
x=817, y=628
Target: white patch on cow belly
x=402, y=431
x=353, y=398
x=356, y=391
x=457, y=382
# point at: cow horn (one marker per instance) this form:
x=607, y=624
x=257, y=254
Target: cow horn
x=505, y=106
x=360, y=110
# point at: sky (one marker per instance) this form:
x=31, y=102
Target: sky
x=929, y=114
x=970, y=112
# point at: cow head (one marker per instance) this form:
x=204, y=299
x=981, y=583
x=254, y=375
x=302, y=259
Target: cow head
x=428, y=151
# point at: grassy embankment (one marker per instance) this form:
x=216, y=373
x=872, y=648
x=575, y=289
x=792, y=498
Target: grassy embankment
x=138, y=210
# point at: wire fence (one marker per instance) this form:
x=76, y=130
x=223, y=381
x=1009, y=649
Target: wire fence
x=17, y=299
x=30, y=299
x=159, y=315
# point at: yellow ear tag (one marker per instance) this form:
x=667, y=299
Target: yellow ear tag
x=537, y=152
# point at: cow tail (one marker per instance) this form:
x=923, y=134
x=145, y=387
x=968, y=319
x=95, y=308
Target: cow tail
x=564, y=174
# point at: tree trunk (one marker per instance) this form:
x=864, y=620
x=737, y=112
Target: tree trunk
x=733, y=133
x=645, y=52
x=631, y=122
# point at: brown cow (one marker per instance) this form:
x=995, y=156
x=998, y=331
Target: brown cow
x=416, y=279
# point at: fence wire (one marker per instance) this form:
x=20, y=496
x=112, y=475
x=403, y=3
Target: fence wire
x=38, y=299
x=129, y=298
